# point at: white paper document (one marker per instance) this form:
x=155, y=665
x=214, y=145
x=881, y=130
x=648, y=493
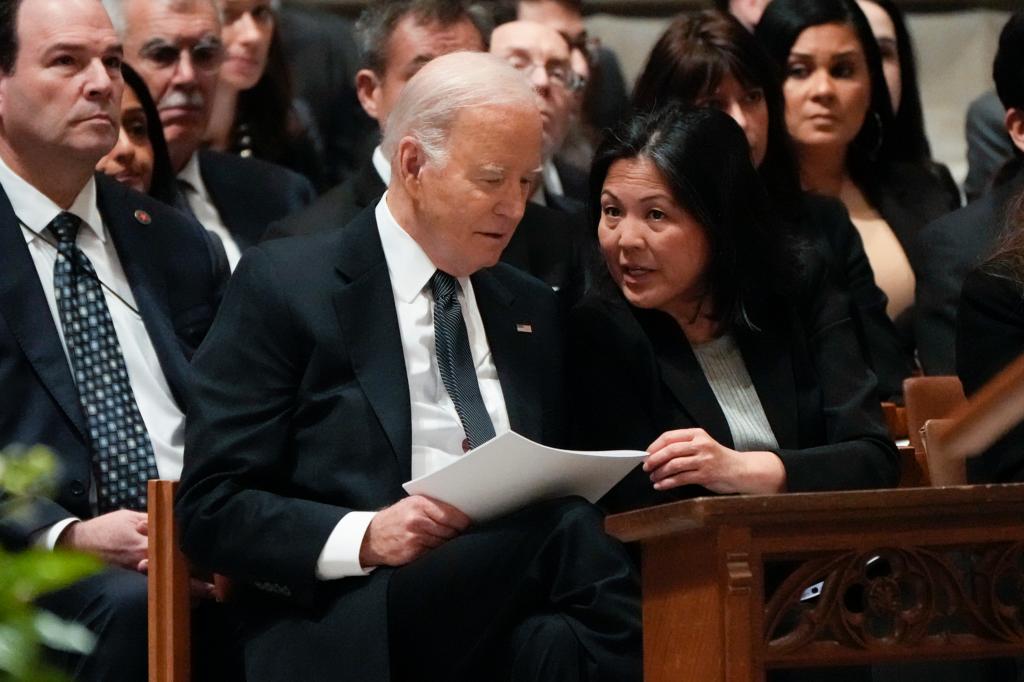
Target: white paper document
x=509, y=472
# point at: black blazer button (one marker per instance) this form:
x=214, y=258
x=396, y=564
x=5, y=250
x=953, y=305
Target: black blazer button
x=77, y=488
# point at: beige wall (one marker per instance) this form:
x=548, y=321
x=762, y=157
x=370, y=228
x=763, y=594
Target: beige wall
x=954, y=52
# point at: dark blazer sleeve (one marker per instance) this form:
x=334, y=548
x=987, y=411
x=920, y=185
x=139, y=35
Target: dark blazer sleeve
x=989, y=336
x=852, y=272
x=237, y=435
x=853, y=448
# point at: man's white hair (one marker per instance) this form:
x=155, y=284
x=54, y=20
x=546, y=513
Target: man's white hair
x=115, y=9
x=432, y=99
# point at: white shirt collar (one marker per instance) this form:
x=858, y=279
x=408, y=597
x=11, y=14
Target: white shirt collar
x=35, y=210
x=414, y=266
x=552, y=181
x=382, y=166
x=190, y=174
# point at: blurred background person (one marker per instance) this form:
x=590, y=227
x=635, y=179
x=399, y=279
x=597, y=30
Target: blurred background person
x=840, y=118
x=139, y=159
x=714, y=345
x=989, y=336
x=956, y=243
x=748, y=12
x=709, y=59
x=989, y=148
x=322, y=56
x=899, y=66
x=604, y=101
x=254, y=112
x=543, y=55
x=177, y=49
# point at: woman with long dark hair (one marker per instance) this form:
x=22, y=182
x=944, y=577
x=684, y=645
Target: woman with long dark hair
x=140, y=159
x=839, y=115
x=708, y=59
x=713, y=343
x=254, y=110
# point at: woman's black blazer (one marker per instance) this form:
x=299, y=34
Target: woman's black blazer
x=634, y=376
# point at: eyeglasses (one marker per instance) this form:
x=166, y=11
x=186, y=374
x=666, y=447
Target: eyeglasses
x=206, y=55
x=560, y=75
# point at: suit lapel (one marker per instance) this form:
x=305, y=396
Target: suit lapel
x=23, y=305
x=511, y=352
x=369, y=325
x=148, y=286
x=682, y=374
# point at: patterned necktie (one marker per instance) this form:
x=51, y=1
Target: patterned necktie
x=455, y=361
x=123, y=457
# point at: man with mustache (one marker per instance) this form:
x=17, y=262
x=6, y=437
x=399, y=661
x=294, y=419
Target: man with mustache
x=175, y=46
x=104, y=293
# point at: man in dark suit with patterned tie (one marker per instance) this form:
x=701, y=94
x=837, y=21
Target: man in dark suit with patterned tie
x=104, y=293
x=345, y=363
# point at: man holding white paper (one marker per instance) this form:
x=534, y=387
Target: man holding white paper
x=344, y=364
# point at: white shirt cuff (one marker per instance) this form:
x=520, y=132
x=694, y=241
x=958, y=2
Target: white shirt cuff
x=340, y=556
x=47, y=538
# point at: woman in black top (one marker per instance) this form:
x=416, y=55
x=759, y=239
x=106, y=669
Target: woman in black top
x=714, y=344
x=840, y=117
x=708, y=59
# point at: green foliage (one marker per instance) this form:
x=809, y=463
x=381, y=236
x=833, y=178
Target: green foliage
x=24, y=576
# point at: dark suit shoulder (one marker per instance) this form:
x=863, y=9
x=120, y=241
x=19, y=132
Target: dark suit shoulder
x=335, y=208
x=249, y=168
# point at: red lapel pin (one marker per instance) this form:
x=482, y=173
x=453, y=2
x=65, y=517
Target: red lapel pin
x=524, y=328
x=143, y=217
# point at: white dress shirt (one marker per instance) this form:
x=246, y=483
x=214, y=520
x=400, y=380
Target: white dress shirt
x=164, y=421
x=190, y=180
x=437, y=432
x=551, y=183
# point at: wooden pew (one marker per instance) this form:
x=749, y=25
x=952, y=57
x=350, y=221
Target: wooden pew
x=891, y=569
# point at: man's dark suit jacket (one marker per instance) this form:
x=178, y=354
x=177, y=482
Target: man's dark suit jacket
x=547, y=244
x=989, y=336
x=176, y=280
x=250, y=194
x=989, y=147
x=302, y=414
x=947, y=250
x=824, y=223
x=633, y=376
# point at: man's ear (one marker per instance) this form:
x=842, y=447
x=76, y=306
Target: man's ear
x=368, y=90
x=409, y=163
x=1015, y=126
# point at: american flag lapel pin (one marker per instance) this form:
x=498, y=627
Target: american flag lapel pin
x=524, y=328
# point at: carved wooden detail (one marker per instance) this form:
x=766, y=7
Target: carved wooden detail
x=900, y=597
x=740, y=576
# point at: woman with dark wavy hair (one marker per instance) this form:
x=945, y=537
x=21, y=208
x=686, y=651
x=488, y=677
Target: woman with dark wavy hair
x=713, y=343
x=708, y=59
x=840, y=118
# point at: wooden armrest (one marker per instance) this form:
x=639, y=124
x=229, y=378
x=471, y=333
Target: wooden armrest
x=943, y=467
x=169, y=598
